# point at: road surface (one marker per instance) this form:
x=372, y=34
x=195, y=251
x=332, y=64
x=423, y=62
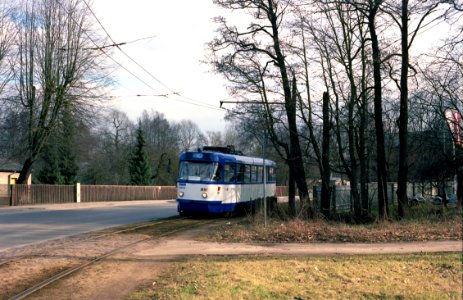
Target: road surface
x=21, y=226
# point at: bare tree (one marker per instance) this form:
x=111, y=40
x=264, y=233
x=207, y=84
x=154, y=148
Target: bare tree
x=161, y=145
x=254, y=60
x=370, y=10
x=215, y=138
x=308, y=112
x=339, y=40
x=403, y=14
x=116, y=136
x=9, y=116
x=189, y=135
x=7, y=35
x=441, y=102
x=55, y=66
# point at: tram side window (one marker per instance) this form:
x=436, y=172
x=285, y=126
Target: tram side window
x=253, y=174
x=183, y=170
x=260, y=173
x=229, y=172
x=247, y=173
x=271, y=174
x=218, y=173
x=240, y=170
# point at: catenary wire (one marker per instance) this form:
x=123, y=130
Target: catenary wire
x=187, y=99
x=196, y=102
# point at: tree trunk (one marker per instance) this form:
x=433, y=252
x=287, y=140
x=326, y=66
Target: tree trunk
x=362, y=151
x=378, y=111
x=459, y=189
x=291, y=195
x=295, y=161
x=326, y=174
x=363, y=163
x=25, y=171
x=352, y=151
x=402, y=176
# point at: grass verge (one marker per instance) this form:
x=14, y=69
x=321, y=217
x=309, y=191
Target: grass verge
x=411, y=276
x=417, y=276
x=251, y=229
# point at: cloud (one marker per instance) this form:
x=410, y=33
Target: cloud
x=181, y=29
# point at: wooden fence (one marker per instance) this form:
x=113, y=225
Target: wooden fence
x=281, y=191
x=26, y=194
x=4, y=195
x=23, y=194
x=101, y=193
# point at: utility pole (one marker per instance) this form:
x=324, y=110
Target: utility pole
x=263, y=150
x=265, y=178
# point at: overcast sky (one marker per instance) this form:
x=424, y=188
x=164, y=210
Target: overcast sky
x=180, y=29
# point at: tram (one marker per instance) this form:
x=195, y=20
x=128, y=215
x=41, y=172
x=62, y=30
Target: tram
x=222, y=180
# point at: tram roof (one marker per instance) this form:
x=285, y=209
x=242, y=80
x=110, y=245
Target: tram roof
x=224, y=158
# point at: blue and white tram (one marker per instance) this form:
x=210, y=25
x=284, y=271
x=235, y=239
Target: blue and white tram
x=217, y=182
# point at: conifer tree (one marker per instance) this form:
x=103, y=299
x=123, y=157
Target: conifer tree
x=59, y=158
x=50, y=172
x=67, y=134
x=139, y=167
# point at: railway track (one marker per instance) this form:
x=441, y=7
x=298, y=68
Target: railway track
x=92, y=236
x=155, y=230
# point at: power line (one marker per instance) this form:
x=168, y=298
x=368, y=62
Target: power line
x=192, y=101
x=114, y=44
x=122, y=51
x=95, y=48
x=137, y=95
x=249, y=102
x=165, y=96
x=102, y=50
x=141, y=39
x=196, y=103
x=189, y=100
x=127, y=70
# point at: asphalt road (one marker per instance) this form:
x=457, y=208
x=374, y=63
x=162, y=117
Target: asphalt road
x=21, y=226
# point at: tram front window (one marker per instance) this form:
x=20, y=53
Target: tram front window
x=199, y=171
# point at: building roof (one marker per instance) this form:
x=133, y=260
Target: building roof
x=9, y=166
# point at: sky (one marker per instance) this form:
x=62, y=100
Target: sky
x=179, y=30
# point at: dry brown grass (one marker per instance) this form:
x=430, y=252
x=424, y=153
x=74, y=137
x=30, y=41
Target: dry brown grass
x=303, y=231
x=417, y=276
x=405, y=276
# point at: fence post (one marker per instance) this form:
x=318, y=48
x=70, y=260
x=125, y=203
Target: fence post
x=10, y=193
x=77, y=192
x=333, y=199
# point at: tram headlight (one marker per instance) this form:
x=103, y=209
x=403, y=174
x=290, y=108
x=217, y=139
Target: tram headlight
x=204, y=195
x=180, y=194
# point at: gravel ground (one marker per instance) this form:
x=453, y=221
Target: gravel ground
x=136, y=266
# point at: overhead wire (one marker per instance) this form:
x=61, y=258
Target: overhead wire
x=113, y=44
x=141, y=39
x=186, y=99
x=122, y=51
x=97, y=47
x=431, y=24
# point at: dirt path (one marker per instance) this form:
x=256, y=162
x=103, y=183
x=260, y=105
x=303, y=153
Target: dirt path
x=186, y=244
x=185, y=247
x=139, y=266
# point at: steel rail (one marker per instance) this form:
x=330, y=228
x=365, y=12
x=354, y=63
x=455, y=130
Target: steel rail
x=75, y=269
x=109, y=232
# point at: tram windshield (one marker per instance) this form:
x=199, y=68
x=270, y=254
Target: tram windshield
x=200, y=171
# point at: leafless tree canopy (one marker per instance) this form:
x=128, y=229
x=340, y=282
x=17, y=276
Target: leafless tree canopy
x=53, y=67
x=374, y=60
